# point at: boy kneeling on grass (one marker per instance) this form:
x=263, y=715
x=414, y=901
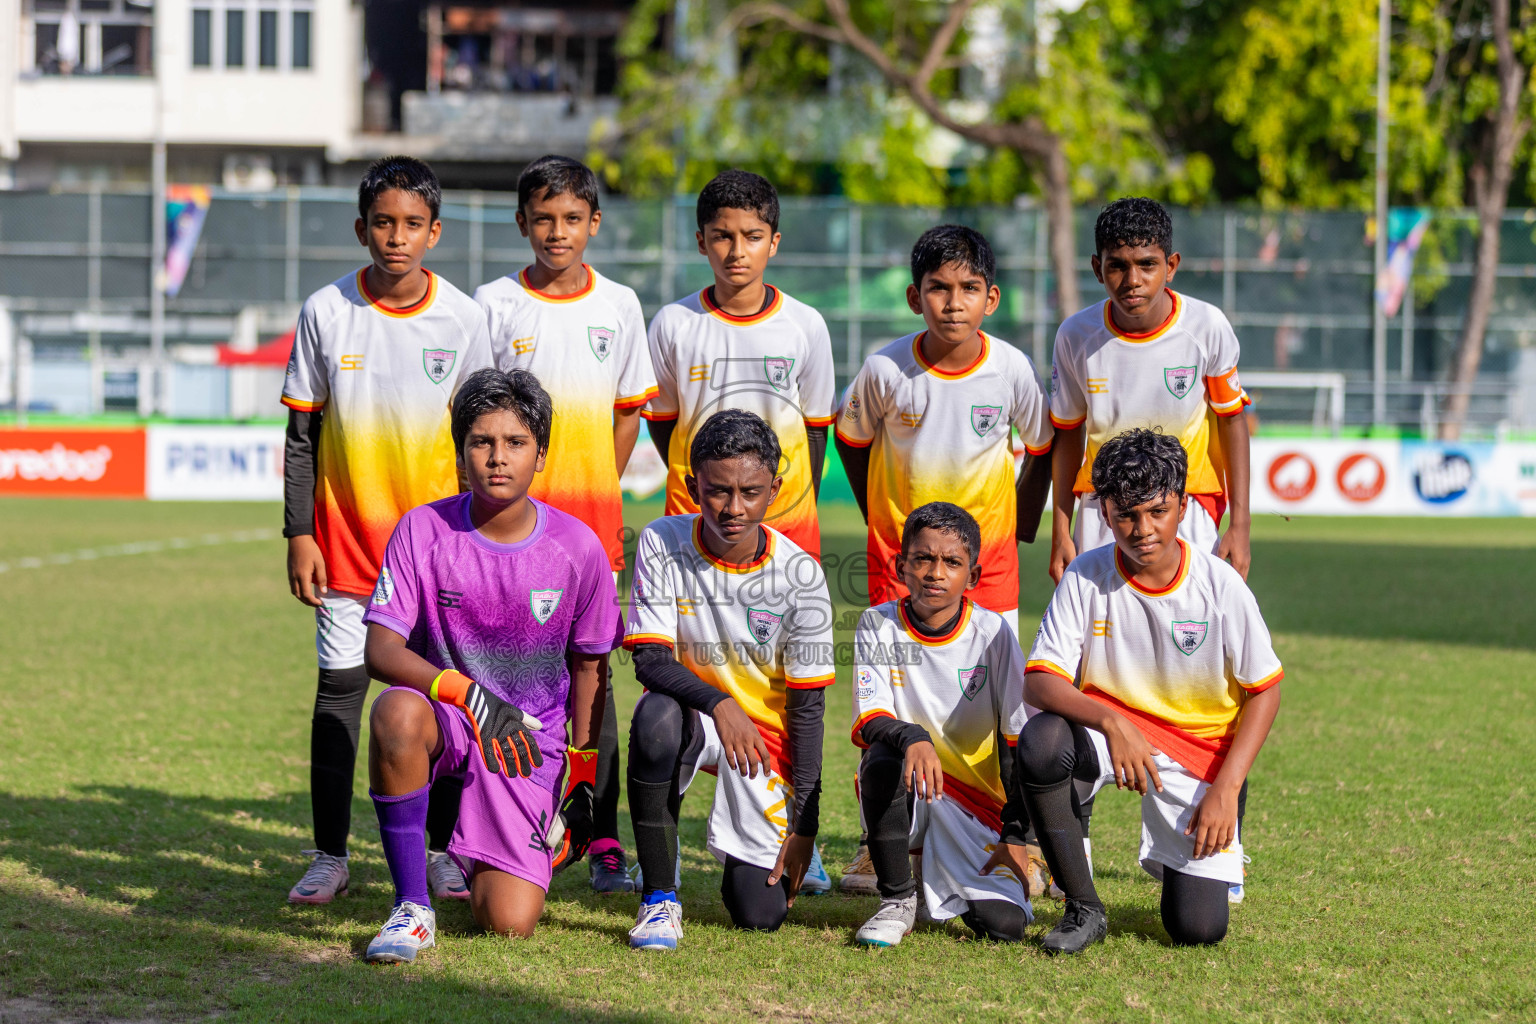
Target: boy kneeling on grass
x=1153, y=670
x=938, y=700
x=492, y=616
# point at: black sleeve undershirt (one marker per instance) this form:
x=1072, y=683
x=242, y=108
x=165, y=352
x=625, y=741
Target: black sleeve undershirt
x=301, y=469
x=894, y=733
x=1013, y=803
x=804, y=717
x=816, y=439
x=658, y=671
x=661, y=437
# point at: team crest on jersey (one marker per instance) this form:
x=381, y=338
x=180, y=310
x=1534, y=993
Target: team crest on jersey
x=543, y=604
x=984, y=418
x=864, y=683
x=438, y=363
x=1188, y=636
x=972, y=680
x=384, y=590
x=1180, y=380
x=601, y=340
x=763, y=624
x=777, y=368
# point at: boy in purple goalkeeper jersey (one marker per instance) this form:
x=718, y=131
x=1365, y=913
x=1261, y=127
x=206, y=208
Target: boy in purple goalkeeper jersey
x=492, y=615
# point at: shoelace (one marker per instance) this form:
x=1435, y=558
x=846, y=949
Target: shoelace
x=656, y=912
x=323, y=869
x=611, y=860
x=401, y=920
x=891, y=910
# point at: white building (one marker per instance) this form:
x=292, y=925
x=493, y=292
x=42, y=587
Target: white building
x=243, y=91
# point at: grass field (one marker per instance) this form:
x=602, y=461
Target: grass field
x=154, y=717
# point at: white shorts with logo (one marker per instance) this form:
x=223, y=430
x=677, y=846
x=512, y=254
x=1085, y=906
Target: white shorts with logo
x=339, y=630
x=1165, y=816
x=750, y=818
x=1091, y=530
x=955, y=847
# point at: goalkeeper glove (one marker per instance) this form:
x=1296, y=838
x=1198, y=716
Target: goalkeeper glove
x=576, y=806
x=502, y=730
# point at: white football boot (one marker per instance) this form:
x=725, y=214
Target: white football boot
x=893, y=922
x=409, y=930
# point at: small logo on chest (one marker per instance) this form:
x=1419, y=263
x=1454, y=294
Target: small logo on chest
x=1188, y=636
x=972, y=680
x=543, y=604
x=763, y=624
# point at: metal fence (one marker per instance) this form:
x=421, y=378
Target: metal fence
x=74, y=270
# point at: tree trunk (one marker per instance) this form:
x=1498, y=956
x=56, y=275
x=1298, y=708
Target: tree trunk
x=1063, y=241
x=1490, y=188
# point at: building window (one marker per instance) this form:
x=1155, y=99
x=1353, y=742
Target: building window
x=301, y=38
x=202, y=38
x=268, y=48
x=234, y=38
x=88, y=37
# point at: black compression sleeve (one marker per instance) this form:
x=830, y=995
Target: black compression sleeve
x=816, y=438
x=1015, y=816
x=804, y=715
x=898, y=735
x=661, y=437
x=856, y=465
x=301, y=468
x=659, y=672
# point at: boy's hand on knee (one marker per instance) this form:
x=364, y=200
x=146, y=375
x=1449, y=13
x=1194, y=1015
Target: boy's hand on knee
x=1132, y=756
x=793, y=861
x=921, y=772
x=1214, y=823
x=1014, y=859
x=307, y=580
x=503, y=731
x=744, y=747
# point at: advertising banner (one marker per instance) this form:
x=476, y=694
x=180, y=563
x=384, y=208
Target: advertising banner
x=1393, y=478
x=72, y=463
x=214, y=463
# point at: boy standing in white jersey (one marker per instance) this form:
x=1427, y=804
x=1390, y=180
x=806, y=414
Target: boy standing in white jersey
x=730, y=623
x=583, y=336
x=376, y=359
x=938, y=703
x=744, y=344
x=1153, y=670
x=1147, y=357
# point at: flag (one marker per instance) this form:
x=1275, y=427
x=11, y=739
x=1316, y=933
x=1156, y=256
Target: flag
x=186, y=207
x=1405, y=230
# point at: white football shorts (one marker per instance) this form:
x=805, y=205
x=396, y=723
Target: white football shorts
x=339, y=629
x=955, y=847
x=750, y=818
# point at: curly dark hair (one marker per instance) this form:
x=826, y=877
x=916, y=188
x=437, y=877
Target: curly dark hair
x=1139, y=466
x=1135, y=220
x=732, y=432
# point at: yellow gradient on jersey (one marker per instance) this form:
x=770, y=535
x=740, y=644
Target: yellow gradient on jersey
x=793, y=513
x=1184, y=704
x=1202, y=446
x=372, y=472
x=580, y=475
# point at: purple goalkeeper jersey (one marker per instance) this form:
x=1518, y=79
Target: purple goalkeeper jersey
x=505, y=615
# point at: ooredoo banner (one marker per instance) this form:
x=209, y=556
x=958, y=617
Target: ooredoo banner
x=72, y=463
x=213, y=463
x=1393, y=478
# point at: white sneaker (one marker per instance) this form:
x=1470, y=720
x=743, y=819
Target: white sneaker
x=1235, y=893
x=409, y=930
x=443, y=875
x=892, y=922
x=816, y=882
x=324, y=881
x=658, y=926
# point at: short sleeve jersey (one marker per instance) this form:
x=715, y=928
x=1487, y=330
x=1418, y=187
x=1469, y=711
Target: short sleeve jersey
x=589, y=351
x=385, y=378
x=936, y=435
x=1180, y=662
x=965, y=687
x=751, y=630
x=1176, y=377
x=777, y=363
x=505, y=615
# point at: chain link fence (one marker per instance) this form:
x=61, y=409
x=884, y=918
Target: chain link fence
x=75, y=273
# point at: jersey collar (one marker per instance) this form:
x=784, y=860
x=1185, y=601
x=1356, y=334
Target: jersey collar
x=774, y=305
x=935, y=641
x=576, y=296
x=1173, y=584
x=734, y=568
x=401, y=312
x=1145, y=336
x=917, y=353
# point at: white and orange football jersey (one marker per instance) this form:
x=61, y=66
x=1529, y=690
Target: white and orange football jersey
x=589, y=351
x=1179, y=662
x=1176, y=377
x=777, y=364
x=965, y=687
x=385, y=378
x=752, y=630
x=936, y=435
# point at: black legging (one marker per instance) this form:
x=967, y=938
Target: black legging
x=663, y=737
x=338, y=715
x=887, y=807
x=1056, y=767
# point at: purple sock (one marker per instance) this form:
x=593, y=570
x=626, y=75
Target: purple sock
x=403, y=829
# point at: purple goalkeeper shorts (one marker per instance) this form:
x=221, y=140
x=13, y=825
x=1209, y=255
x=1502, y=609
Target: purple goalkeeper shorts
x=503, y=823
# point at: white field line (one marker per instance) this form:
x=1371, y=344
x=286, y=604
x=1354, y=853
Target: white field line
x=139, y=547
